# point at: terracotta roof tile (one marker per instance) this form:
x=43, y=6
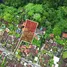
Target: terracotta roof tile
x=64, y=35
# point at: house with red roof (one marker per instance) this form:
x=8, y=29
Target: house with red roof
x=64, y=35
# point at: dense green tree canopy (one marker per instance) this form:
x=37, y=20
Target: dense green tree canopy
x=51, y=14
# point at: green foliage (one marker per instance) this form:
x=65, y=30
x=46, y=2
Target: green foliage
x=60, y=41
x=14, y=3
x=3, y=62
x=10, y=14
x=60, y=27
x=37, y=17
x=46, y=36
x=8, y=17
x=57, y=30
x=55, y=3
x=62, y=22
x=2, y=6
x=43, y=51
x=36, y=42
x=18, y=54
x=64, y=55
x=51, y=62
x=65, y=3
x=34, y=12
x=17, y=3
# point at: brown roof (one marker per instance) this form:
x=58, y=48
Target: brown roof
x=64, y=35
x=0, y=52
x=51, y=35
x=21, y=24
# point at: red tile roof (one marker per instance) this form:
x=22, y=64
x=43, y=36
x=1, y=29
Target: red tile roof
x=23, y=46
x=28, y=50
x=31, y=25
x=64, y=35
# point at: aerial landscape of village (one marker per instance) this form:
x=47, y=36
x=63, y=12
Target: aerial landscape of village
x=33, y=33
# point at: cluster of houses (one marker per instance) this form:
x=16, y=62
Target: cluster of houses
x=31, y=49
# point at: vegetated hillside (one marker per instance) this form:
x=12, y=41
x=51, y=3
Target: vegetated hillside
x=51, y=14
